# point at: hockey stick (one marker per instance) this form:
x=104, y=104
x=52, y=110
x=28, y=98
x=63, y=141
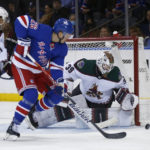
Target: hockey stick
x=38, y=65
x=77, y=110
x=42, y=69
x=107, y=123
x=81, y=114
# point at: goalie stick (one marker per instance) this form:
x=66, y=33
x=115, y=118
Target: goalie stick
x=81, y=114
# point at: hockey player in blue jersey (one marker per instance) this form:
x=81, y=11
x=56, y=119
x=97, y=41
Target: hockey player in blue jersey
x=47, y=46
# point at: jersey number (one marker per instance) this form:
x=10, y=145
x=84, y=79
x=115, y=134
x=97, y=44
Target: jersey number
x=69, y=68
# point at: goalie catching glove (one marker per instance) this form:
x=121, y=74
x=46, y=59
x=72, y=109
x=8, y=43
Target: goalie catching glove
x=127, y=100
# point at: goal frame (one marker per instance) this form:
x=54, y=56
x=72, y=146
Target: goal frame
x=135, y=60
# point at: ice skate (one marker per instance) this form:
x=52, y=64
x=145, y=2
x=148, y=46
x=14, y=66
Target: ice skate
x=12, y=133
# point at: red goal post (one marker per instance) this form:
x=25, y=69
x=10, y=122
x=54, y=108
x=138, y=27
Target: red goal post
x=126, y=51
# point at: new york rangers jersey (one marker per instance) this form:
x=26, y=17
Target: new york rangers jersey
x=42, y=49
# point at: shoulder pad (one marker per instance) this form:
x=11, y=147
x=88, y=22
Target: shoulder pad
x=80, y=64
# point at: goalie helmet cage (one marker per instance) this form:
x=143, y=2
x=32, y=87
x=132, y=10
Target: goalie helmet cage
x=125, y=51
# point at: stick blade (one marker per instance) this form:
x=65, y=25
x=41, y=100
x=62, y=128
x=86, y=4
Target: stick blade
x=115, y=135
x=119, y=135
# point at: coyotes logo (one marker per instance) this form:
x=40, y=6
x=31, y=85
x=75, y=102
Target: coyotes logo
x=93, y=92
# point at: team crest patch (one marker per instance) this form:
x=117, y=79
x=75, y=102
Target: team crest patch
x=52, y=46
x=80, y=64
x=93, y=92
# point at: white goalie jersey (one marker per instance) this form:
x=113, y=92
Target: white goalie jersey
x=94, y=87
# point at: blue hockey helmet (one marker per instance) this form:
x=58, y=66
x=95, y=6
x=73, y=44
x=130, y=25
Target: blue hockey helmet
x=63, y=25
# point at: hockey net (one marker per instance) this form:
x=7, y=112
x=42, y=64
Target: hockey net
x=130, y=57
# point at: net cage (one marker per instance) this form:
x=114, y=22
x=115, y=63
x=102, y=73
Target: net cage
x=129, y=56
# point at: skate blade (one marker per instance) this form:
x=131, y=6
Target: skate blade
x=29, y=125
x=9, y=137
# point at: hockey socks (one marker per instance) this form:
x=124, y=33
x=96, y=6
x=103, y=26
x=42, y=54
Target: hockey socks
x=24, y=106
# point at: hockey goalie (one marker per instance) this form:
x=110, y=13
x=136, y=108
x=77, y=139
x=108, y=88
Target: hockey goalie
x=100, y=85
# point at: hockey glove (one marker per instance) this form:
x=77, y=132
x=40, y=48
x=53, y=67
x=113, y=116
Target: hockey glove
x=23, y=46
x=59, y=90
x=127, y=100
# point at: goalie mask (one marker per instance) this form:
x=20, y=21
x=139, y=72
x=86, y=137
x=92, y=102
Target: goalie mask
x=3, y=17
x=105, y=62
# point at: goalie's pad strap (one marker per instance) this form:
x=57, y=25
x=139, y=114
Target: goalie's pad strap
x=99, y=114
x=121, y=95
x=63, y=113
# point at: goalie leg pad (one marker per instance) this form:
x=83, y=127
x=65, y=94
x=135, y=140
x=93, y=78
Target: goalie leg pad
x=125, y=118
x=95, y=114
x=52, y=116
x=99, y=114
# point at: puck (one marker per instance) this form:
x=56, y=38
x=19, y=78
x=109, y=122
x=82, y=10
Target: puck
x=147, y=126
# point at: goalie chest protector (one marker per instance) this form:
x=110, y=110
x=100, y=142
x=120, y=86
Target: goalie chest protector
x=93, y=86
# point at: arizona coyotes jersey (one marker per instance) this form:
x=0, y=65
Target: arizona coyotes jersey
x=94, y=87
x=42, y=48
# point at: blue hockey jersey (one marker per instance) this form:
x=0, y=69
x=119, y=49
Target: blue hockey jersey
x=42, y=49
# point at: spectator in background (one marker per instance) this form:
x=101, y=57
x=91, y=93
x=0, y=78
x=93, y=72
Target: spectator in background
x=105, y=32
x=21, y=7
x=48, y=12
x=88, y=25
x=94, y=9
x=32, y=10
x=135, y=31
x=147, y=42
x=17, y=8
x=145, y=26
x=11, y=11
x=66, y=3
x=136, y=11
x=72, y=19
x=58, y=12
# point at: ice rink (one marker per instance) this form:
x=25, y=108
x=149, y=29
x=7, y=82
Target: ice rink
x=65, y=136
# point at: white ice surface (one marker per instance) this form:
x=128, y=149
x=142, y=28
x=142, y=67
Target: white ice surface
x=64, y=136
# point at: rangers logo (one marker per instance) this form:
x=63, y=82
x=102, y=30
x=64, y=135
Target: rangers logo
x=33, y=25
x=41, y=44
x=41, y=52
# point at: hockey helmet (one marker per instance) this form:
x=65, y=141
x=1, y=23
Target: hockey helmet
x=105, y=62
x=3, y=17
x=63, y=25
